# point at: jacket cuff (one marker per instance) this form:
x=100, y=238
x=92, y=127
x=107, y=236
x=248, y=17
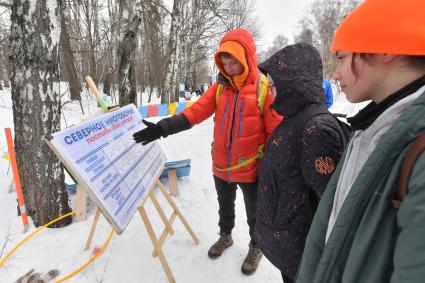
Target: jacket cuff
x=174, y=124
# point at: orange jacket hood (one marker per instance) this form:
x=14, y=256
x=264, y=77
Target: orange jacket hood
x=231, y=43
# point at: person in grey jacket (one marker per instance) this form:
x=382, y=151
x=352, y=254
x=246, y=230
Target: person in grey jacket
x=357, y=235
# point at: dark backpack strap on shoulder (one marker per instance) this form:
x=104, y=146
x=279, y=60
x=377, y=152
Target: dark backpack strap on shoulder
x=301, y=119
x=415, y=150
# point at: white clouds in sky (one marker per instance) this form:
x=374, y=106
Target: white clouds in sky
x=279, y=17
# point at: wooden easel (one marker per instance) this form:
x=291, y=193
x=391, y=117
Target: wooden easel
x=168, y=222
x=168, y=229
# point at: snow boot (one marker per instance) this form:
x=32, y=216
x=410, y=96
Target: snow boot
x=252, y=260
x=222, y=243
x=31, y=277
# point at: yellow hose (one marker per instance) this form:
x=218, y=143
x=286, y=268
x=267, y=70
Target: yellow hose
x=78, y=270
x=32, y=234
x=105, y=245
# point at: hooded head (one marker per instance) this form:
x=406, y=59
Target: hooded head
x=383, y=26
x=240, y=44
x=297, y=74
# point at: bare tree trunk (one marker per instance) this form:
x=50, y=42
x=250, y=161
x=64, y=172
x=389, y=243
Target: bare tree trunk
x=107, y=83
x=1, y=78
x=194, y=50
x=91, y=14
x=153, y=46
x=126, y=69
x=74, y=81
x=34, y=42
x=111, y=50
x=172, y=52
x=150, y=94
x=6, y=71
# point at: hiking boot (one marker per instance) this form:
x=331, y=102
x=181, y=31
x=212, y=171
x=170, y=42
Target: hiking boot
x=252, y=260
x=222, y=243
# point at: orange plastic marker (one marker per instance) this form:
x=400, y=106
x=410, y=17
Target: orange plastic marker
x=15, y=171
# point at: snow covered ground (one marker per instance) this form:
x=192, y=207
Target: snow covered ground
x=128, y=259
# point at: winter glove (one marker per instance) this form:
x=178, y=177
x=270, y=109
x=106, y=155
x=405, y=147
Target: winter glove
x=149, y=134
x=163, y=128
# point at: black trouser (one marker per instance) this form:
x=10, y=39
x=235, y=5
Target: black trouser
x=226, y=195
x=287, y=279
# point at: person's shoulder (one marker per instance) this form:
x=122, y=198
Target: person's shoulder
x=324, y=123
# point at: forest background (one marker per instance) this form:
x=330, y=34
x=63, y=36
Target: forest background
x=129, y=48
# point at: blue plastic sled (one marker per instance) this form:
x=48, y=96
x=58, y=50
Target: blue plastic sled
x=182, y=168
x=71, y=188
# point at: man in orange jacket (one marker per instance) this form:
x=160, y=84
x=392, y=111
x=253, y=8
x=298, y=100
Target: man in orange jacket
x=241, y=129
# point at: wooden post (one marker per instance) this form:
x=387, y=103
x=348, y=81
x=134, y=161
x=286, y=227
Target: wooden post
x=168, y=230
x=81, y=204
x=156, y=245
x=174, y=186
x=93, y=228
x=161, y=213
x=16, y=177
x=164, y=234
x=177, y=211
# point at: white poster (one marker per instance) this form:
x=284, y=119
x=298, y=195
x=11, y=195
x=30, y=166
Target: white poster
x=116, y=172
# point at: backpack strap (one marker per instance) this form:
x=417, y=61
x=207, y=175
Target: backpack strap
x=218, y=93
x=301, y=119
x=415, y=150
x=262, y=90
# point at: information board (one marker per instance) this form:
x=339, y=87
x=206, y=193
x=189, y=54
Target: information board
x=116, y=172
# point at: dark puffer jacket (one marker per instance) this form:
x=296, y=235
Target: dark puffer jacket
x=287, y=182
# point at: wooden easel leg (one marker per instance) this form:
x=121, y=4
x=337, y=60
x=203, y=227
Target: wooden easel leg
x=93, y=228
x=176, y=210
x=167, y=222
x=165, y=233
x=156, y=245
x=161, y=213
x=81, y=204
x=174, y=185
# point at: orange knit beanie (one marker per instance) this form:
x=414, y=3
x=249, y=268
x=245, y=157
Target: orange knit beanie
x=383, y=26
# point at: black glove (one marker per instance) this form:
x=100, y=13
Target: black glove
x=163, y=128
x=149, y=134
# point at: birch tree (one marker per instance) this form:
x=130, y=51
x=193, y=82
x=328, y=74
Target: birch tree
x=4, y=33
x=68, y=56
x=34, y=43
x=153, y=45
x=172, y=52
x=127, y=66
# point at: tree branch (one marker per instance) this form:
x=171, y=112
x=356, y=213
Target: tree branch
x=5, y=242
x=217, y=14
x=5, y=4
x=163, y=7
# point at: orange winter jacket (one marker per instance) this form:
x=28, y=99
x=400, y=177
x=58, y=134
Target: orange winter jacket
x=239, y=128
